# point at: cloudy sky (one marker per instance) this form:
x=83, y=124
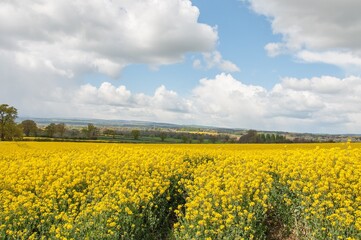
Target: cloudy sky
x=261, y=64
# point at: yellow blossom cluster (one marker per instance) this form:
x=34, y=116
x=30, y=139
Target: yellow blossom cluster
x=80, y=191
x=145, y=191
x=226, y=197
x=324, y=188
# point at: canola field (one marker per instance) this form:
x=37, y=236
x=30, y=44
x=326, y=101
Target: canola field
x=120, y=191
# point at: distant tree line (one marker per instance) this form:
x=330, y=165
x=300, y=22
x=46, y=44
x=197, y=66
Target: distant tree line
x=10, y=130
x=163, y=135
x=59, y=130
x=253, y=137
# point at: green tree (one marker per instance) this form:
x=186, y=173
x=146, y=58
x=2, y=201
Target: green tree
x=50, y=129
x=13, y=131
x=8, y=115
x=262, y=138
x=273, y=138
x=60, y=128
x=29, y=127
x=135, y=133
x=268, y=138
x=213, y=138
x=184, y=138
x=200, y=138
x=249, y=137
x=90, y=131
x=74, y=133
x=226, y=138
x=163, y=136
x=111, y=132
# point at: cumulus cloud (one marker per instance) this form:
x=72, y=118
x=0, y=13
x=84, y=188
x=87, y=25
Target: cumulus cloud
x=327, y=103
x=322, y=28
x=275, y=49
x=320, y=104
x=68, y=37
x=105, y=94
x=47, y=47
x=344, y=59
x=215, y=60
x=226, y=101
x=323, y=104
x=109, y=95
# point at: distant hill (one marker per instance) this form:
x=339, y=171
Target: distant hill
x=115, y=123
x=79, y=122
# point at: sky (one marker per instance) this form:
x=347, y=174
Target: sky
x=256, y=64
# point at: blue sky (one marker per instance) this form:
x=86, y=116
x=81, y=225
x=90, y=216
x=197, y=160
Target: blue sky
x=262, y=64
x=242, y=36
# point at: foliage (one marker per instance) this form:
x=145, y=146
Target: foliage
x=119, y=191
x=51, y=129
x=29, y=127
x=60, y=128
x=91, y=132
x=135, y=133
x=253, y=137
x=163, y=136
x=8, y=128
x=111, y=132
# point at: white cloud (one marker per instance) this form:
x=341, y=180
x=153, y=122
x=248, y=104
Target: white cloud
x=107, y=67
x=226, y=101
x=274, y=49
x=197, y=64
x=215, y=60
x=106, y=94
x=338, y=58
x=69, y=37
x=328, y=30
x=169, y=100
x=109, y=95
x=228, y=66
x=47, y=47
x=322, y=104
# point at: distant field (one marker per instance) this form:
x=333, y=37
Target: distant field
x=179, y=191
x=110, y=139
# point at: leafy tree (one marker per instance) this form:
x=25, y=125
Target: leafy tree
x=111, y=132
x=163, y=136
x=226, y=138
x=8, y=115
x=273, y=138
x=90, y=131
x=74, y=133
x=280, y=139
x=262, y=138
x=60, y=128
x=184, y=138
x=50, y=129
x=29, y=127
x=249, y=137
x=200, y=138
x=213, y=138
x=135, y=133
x=268, y=138
x=13, y=131
x=232, y=140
